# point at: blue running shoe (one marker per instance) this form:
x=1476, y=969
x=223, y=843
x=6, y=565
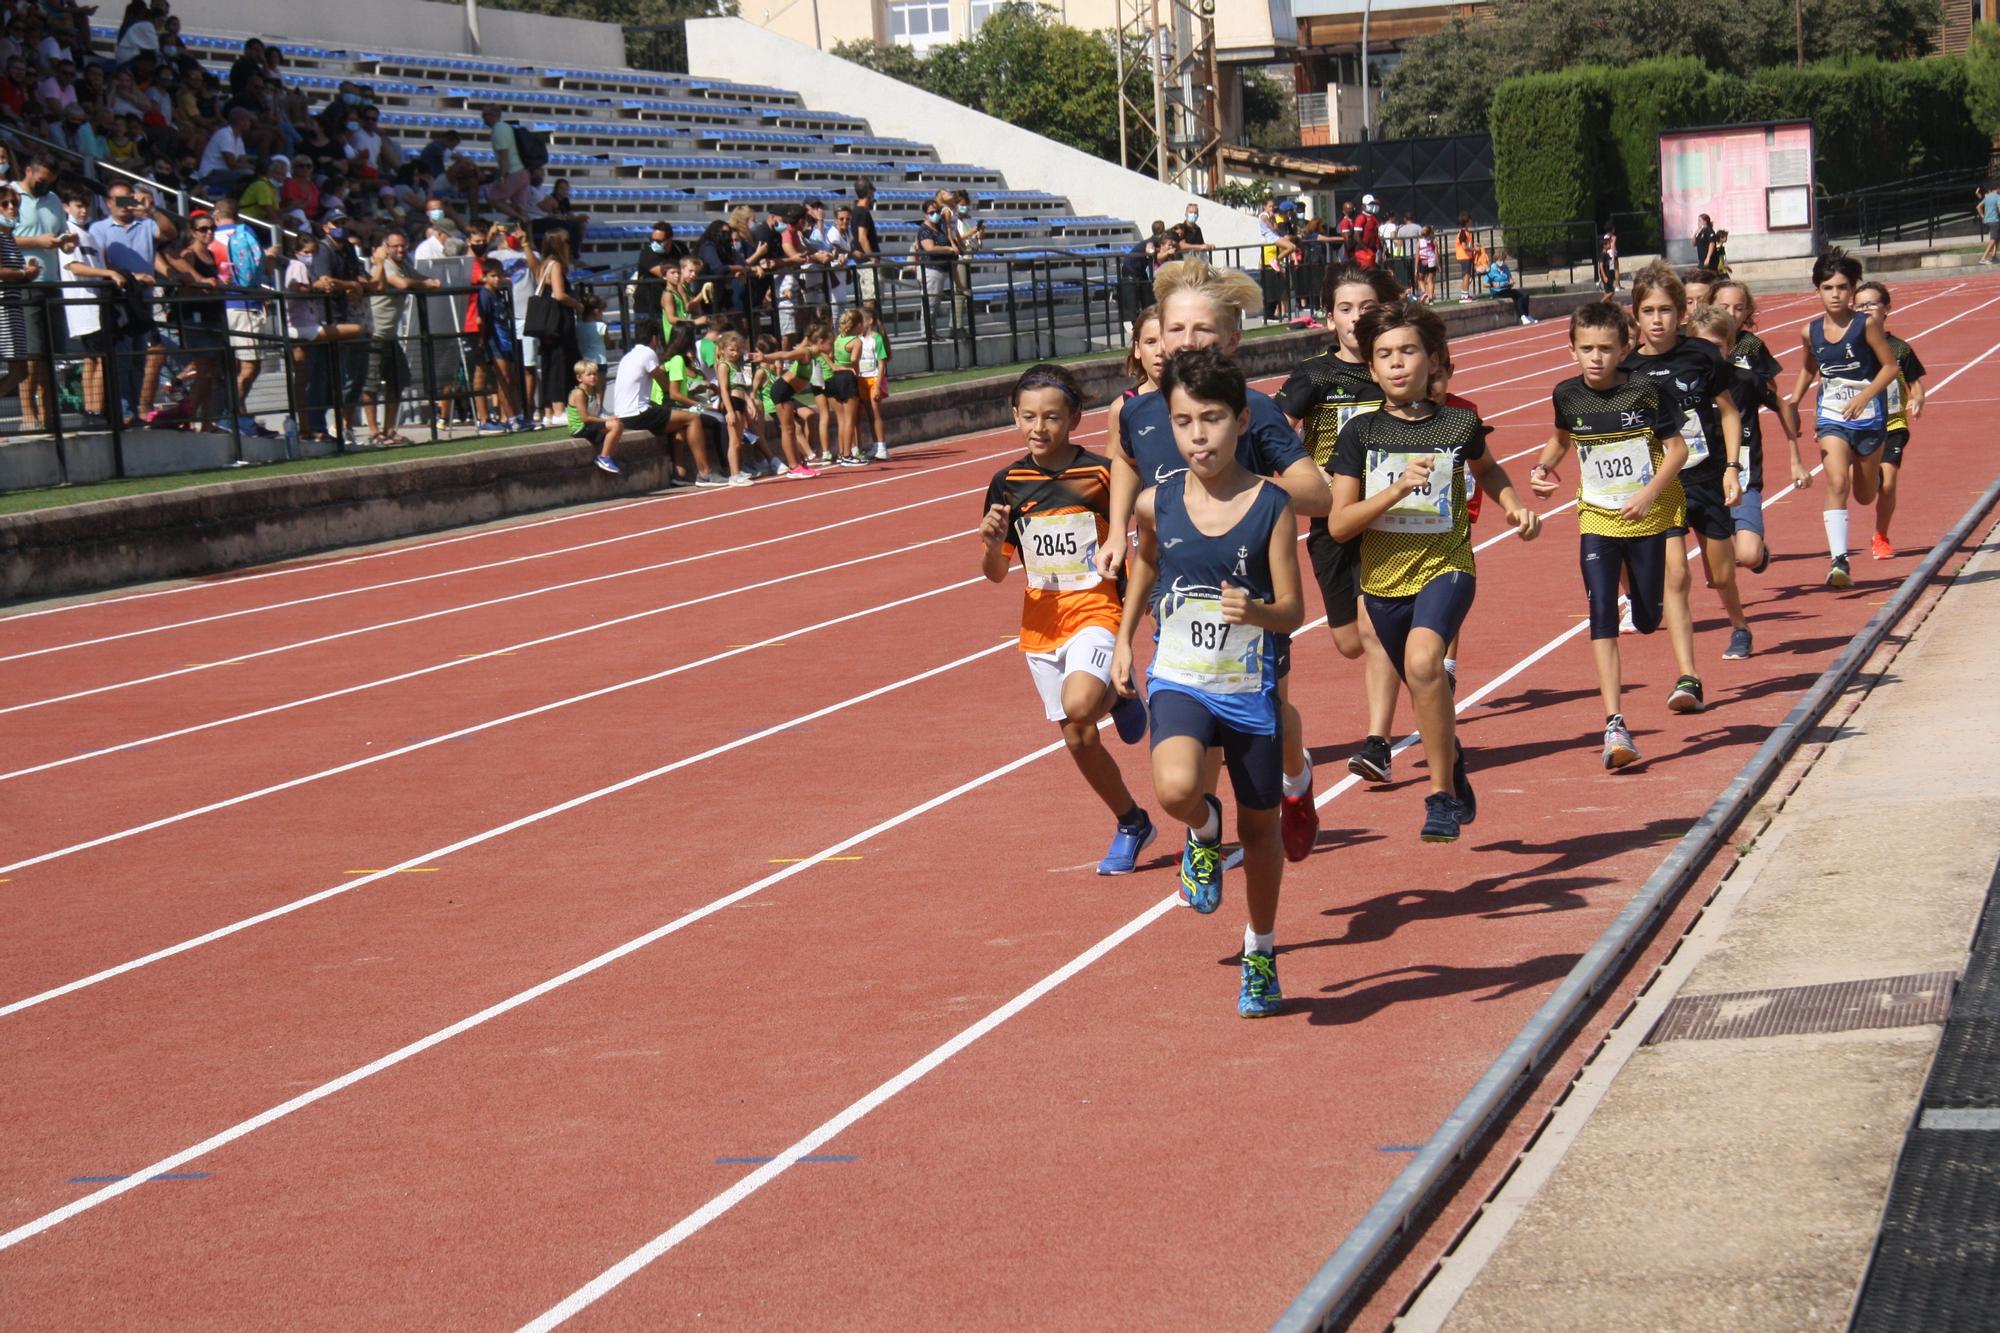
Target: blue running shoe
x=1126, y=846
x=1260, y=996
x=1441, y=817
x=1201, y=874
x=1129, y=716
x=1461, y=787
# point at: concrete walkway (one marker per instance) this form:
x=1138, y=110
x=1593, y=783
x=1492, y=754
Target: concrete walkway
x=1732, y=1177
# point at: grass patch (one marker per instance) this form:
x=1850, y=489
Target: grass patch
x=21, y=502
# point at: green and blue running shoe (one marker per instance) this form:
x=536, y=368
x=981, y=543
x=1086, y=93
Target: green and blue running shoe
x=1260, y=996
x=1201, y=874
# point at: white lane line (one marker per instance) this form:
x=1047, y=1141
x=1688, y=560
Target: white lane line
x=603, y=691
x=501, y=527
x=595, y=512
x=96, y=1198
x=539, y=816
x=433, y=576
x=601, y=1285
x=421, y=617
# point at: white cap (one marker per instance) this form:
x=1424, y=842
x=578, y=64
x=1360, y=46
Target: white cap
x=1367, y=199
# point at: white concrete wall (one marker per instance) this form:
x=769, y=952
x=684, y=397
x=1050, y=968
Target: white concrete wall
x=410, y=25
x=734, y=49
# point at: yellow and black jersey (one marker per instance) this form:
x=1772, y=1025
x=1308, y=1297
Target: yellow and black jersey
x=1617, y=432
x=1324, y=394
x=1428, y=532
x=1909, y=369
x=1056, y=520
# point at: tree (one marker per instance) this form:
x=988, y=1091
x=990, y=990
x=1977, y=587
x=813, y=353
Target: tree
x=1982, y=78
x=1270, y=115
x=1025, y=68
x=1444, y=83
x=664, y=50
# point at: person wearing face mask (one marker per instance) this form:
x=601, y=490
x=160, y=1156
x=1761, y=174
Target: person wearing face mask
x=935, y=256
x=340, y=361
x=15, y=273
x=657, y=258
x=1192, y=241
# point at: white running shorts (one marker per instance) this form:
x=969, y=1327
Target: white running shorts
x=1088, y=651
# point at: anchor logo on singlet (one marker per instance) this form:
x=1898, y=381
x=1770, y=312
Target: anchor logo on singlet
x=1242, y=555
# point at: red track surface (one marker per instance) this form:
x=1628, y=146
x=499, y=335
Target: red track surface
x=1123, y=1144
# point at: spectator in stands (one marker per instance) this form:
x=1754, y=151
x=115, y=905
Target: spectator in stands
x=17, y=87
x=763, y=252
x=81, y=133
x=514, y=252
x=639, y=374
x=260, y=197
x=88, y=277
x=559, y=351
x=835, y=240
x=225, y=162
x=509, y=190
x=795, y=256
x=1500, y=282
x=129, y=238
x=300, y=193
x=58, y=91
x=341, y=358
x=554, y=212
x=196, y=113
x=935, y=258
x=16, y=273
x=384, y=151
x=867, y=239
x=190, y=272
x=436, y=155
x=40, y=233
x=658, y=257
x=121, y=149
x=248, y=64
x=390, y=283
x=171, y=47
x=244, y=261
x=136, y=33
x=1192, y=240
x=721, y=263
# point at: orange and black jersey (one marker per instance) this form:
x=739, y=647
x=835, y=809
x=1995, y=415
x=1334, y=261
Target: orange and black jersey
x=1056, y=520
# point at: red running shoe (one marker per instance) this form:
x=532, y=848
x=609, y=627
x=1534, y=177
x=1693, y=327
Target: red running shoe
x=1298, y=824
x=1880, y=548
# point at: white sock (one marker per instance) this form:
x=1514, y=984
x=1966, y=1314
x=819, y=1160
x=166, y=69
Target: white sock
x=1836, y=530
x=1211, y=828
x=1255, y=943
x=1298, y=786
x=1451, y=666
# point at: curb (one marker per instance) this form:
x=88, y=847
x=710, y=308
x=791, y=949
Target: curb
x=1331, y=1293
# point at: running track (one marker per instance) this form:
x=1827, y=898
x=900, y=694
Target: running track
x=676, y=910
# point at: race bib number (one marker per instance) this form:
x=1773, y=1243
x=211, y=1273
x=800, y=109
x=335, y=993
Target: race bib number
x=1696, y=437
x=1894, y=395
x=1201, y=652
x=1060, y=551
x=1836, y=394
x=1429, y=508
x=1615, y=471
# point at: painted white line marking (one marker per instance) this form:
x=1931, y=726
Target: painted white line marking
x=539, y=816
x=504, y=600
x=603, y=691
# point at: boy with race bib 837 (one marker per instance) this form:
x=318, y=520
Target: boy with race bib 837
x=1219, y=546
x=1053, y=507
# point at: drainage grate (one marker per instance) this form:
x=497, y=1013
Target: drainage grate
x=1937, y=1261
x=1841, y=1006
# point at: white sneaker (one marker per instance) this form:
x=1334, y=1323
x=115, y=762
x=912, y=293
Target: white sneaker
x=742, y=479
x=1525, y=321
x=1625, y=625
x=881, y=454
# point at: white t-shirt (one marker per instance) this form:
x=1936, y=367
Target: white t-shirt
x=519, y=276
x=224, y=140
x=141, y=36
x=82, y=317
x=428, y=248
x=632, y=391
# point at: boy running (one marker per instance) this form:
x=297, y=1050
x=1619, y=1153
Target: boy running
x=1849, y=354
x=1905, y=404
x=1399, y=482
x=1325, y=393
x=1697, y=382
x=1203, y=306
x=1629, y=456
x=1221, y=546
x=1757, y=374
x=1053, y=506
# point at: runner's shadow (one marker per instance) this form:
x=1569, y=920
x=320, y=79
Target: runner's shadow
x=1428, y=981
x=1331, y=839
x=1378, y=918
x=1570, y=854
x=1529, y=700
x=1824, y=644
x=1719, y=738
x=1795, y=683
x=1487, y=758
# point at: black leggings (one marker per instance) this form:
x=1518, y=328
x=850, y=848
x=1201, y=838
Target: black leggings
x=1440, y=606
x=1643, y=560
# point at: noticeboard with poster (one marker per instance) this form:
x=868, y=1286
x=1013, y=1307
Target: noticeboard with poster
x=1754, y=181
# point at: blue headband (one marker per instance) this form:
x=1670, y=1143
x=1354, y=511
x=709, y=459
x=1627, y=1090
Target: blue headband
x=1045, y=382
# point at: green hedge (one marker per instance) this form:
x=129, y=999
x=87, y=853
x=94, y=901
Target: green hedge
x=1587, y=139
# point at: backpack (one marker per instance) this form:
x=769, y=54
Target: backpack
x=532, y=146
